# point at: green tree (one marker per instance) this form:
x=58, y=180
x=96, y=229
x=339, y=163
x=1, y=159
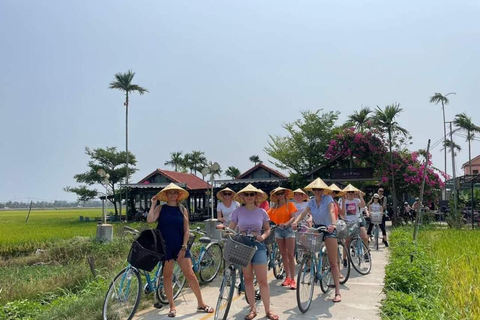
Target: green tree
x=451, y=144
x=176, y=160
x=360, y=119
x=111, y=161
x=255, y=159
x=232, y=172
x=123, y=82
x=439, y=98
x=303, y=149
x=196, y=161
x=385, y=120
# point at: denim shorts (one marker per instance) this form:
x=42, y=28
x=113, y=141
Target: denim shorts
x=260, y=256
x=287, y=233
x=326, y=233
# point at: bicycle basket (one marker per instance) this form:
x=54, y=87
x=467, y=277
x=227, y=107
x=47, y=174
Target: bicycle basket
x=307, y=241
x=147, y=250
x=342, y=231
x=376, y=218
x=353, y=228
x=238, y=253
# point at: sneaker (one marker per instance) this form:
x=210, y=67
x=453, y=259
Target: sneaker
x=287, y=282
x=366, y=257
x=293, y=285
x=385, y=242
x=345, y=263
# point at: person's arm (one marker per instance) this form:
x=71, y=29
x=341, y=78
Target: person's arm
x=220, y=215
x=265, y=234
x=154, y=212
x=362, y=201
x=331, y=211
x=292, y=209
x=300, y=217
x=186, y=233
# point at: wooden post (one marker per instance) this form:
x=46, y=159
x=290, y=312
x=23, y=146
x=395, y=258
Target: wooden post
x=29, y=210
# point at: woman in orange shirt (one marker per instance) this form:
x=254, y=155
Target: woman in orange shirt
x=283, y=215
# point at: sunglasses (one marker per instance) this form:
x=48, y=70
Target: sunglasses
x=315, y=189
x=172, y=192
x=280, y=193
x=227, y=193
x=380, y=190
x=351, y=192
x=249, y=194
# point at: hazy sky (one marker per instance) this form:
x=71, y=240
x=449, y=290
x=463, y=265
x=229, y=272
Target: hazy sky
x=222, y=76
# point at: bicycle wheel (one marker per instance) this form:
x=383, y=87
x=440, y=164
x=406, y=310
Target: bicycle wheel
x=278, y=264
x=210, y=262
x=305, y=283
x=343, y=263
x=326, y=279
x=376, y=236
x=178, y=282
x=123, y=295
x=360, y=256
x=227, y=287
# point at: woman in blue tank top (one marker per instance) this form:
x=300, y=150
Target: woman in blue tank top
x=174, y=225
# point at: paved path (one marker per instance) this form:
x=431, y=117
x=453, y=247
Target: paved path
x=361, y=297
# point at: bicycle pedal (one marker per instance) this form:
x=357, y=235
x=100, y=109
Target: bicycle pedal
x=158, y=305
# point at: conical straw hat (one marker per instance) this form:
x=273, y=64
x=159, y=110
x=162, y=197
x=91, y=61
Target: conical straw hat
x=220, y=193
x=352, y=188
x=318, y=184
x=261, y=196
x=305, y=196
x=288, y=194
x=182, y=193
x=334, y=187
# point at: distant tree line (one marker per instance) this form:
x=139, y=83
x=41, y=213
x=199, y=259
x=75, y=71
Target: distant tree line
x=50, y=204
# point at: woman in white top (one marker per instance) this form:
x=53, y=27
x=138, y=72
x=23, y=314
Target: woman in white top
x=300, y=200
x=227, y=206
x=376, y=207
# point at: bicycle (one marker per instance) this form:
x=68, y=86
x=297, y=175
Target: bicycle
x=274, y=258
x=209, y=260
x=237, y=255
x=358, y=252
x=314, y=267
x=376, y=220
x=123, y=295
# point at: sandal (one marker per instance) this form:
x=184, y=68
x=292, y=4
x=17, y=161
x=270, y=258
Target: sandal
x=271, y=315
x=251, y=315
x=172, y=313
x=335, y=298
x=206, y=309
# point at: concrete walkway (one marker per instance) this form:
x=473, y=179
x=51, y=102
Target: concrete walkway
x=361, y=297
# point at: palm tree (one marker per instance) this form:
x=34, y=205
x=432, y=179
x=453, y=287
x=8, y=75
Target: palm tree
x=451, y=145
x=385, y=119
x=123, y=82
x=196, y=161
x=176, y=160
x=465, y=123
x=255, y=159
x=360, y=118
x=436, y=98
x=232, y=172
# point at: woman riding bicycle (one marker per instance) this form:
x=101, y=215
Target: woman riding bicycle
x=250, y=220
x=376, y=208
x=283, y=214
x=322, y=211
x=173, y=223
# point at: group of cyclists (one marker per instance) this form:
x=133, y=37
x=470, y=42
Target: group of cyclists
x=247, y=212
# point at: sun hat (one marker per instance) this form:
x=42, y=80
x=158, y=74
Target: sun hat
x=305, y=196
x=318, y=184
x=375, y=195
x=220, y=193
x=261, y=196
x=288, y=194
x=182, y=193
x=334, y=187
x=352, y=188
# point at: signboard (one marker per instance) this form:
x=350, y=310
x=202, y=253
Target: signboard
x=351, y=174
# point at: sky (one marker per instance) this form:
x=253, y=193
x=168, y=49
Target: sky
x=222, y=76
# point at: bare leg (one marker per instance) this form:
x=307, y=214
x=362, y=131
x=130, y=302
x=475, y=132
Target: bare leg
x=283, y=251
x=290, y=248
x=332, y=247
x=186, y=266
x=249, y=290
x=167, y=282
x=261, y=273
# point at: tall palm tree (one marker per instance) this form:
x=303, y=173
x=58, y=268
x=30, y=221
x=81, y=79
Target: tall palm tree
x=449, y=144
x=255, y=159
x=436, y=98
x=385, y=119
x=232, y=172
x=465, y=123
x=123, y=82
x=360, y=118
x=176, y=160
x=196, y=161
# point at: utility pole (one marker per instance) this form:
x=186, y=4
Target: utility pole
x=452, y=150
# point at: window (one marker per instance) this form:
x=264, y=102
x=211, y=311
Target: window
x=475, y=171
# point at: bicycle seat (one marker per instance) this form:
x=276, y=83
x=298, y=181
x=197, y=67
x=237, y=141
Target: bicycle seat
x=205, y=240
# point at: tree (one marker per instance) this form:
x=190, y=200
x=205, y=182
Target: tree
x=360, y=119
x=123, y=82
x=436, y=98
x=306, y=144
x=232, y=172
x=111, y=161
x=385, y=119
x=451, y=145
x=255, y=159
x=176, y=160
x=196, y=161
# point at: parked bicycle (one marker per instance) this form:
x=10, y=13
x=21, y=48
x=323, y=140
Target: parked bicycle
x=314, y=267
x=274, y=258
x=209, y=260
x=358, y=251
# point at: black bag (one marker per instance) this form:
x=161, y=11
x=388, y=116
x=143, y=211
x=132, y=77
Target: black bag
x=147, y=250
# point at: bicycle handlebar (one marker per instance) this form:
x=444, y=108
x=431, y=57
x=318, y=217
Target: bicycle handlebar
x=319, y=229
x=131, y=230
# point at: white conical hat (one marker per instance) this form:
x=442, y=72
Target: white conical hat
x=318, y=184
x=182, y=193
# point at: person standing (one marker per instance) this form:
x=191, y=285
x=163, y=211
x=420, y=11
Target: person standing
x=283, y=214
x=300, y=200
x=323, y=214
x=173, y=223
x=226, y=206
